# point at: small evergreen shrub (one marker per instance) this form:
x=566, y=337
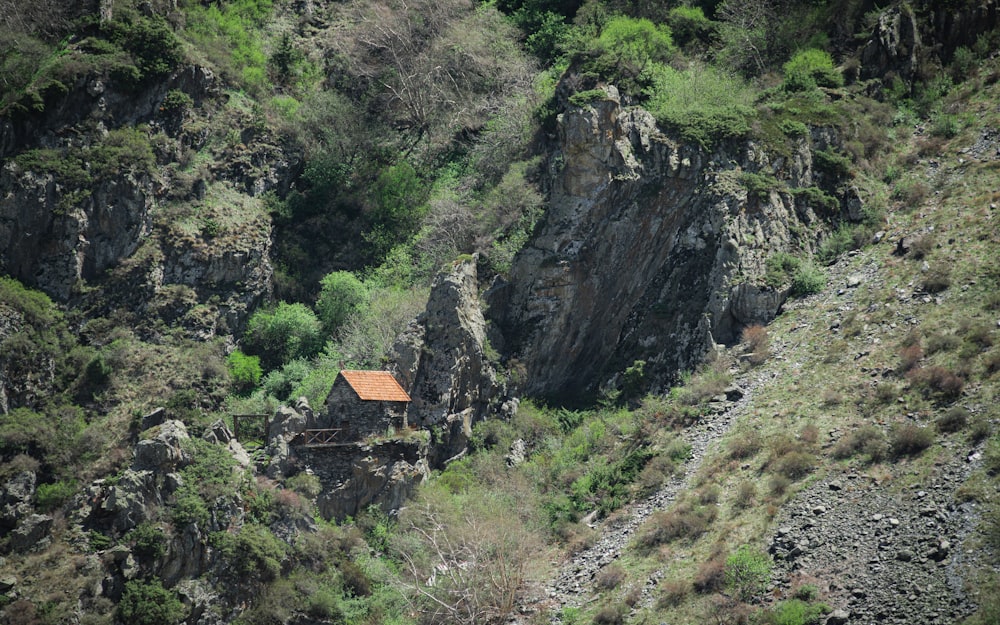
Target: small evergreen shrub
x=48, y=497
x=149, y=603
x=148, y=540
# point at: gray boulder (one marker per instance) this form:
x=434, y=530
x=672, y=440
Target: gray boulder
x=31, y=534
x=163, y=451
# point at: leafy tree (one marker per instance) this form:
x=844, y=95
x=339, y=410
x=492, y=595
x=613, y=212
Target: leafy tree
x=809, y=69
x=278, y=336
x=398, y=198
x=341, y=296
x=244, y=370
x=149, y=603
x=636, y=42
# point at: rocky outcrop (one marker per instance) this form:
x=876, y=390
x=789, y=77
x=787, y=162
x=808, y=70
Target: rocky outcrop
x=914, y=40
x=16, y=497
x=50, y=242
x=650, y=250
x=442, y=361
x=894, y=47
x=356, y=476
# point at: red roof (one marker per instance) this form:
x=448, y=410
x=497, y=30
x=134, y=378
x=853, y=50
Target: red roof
x=375, y=385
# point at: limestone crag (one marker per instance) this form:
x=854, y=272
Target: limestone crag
x=651, y=250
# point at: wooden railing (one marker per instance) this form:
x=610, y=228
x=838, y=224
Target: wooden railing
x=312, y=438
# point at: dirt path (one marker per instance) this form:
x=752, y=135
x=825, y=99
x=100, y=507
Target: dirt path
x=573, y=582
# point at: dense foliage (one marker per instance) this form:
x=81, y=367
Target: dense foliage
x=416, y=133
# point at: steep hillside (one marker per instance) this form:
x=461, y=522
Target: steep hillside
x=695, y=303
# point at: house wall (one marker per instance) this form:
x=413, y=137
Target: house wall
x=356, y=418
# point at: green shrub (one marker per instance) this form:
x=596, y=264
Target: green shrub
x=176, y=101
x=841, y=240
x=398, y=204
x=779, y=268
x=703, y=104
x=281, y=383
x=325, y=605
x=818, y=199
x=584, y=98
x=231, y=35
x=253, y=554
x=760, y=186
x=809, y=69
x=748, y=573
x=635, y=43
x=833, y=163
x=283, y=334
x=190, y=509
x=48, y=497
x=689, y=25
x=807, y=280
x=244, y=370
x=305, y=484
x=98, y=541
x=149, y=40
x=148, y=540
x=149, y=603
x=793, y=128
x=795, y=612
x=341, y=296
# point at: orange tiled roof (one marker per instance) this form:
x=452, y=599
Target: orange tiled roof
x=375, y=385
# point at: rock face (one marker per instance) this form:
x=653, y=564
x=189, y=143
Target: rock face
x=441, y=360
x=16, y=499
x=649, y=251
x=894, y=46
x=115, y=225
x=356, y=476
x=53, y=247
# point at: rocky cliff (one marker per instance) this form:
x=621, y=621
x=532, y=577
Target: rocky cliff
x=651, y=250
x=96, y=210
x=442, y=359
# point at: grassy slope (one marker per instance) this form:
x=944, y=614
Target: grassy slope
x=838, y=365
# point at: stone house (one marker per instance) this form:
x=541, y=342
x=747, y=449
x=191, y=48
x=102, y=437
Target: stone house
x=364, y=403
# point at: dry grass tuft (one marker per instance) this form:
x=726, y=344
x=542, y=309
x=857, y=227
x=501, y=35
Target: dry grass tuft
x=910, y=439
